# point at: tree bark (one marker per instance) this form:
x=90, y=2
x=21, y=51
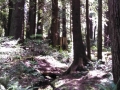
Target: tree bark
x=54, y=26
x=115, y=39
x=70, y=20
x=9, y=17
x=88, y=30
x=79, y=50
x=32, y=18
x=99, y=41
x=40, y=19
x=17, y=20
x=64, y=32
x=91, y=28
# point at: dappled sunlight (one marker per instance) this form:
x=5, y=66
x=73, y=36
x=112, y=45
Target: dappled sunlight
x=10, y=49
x=45, y=66
x=88, y=81
x=51, y=61
x=59, y=45
x=49, y=64
x=96, y=74
x=73, y=84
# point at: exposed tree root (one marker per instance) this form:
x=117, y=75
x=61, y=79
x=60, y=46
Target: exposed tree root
x=75, y=66
x=47, y=81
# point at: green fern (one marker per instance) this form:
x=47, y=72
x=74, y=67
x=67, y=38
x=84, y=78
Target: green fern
x=34, y=36
x=112, y=86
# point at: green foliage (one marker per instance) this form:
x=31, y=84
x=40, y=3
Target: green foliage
x=60, y=50
x=4, y=81
x=16, y=86
x=93, y=48
x=105, y=87
x=17, y=57
x=3, y=16
x=37, y=35
x=32, y=36
x=7, y=84
x=88, y=87
x=10, y=37
x=1, y=31
x=104, y=49
x=111, y=86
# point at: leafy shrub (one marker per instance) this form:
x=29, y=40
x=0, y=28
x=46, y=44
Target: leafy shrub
x=93, y=48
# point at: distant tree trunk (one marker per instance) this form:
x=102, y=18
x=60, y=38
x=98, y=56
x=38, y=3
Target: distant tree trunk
x=54, y=25
x=40, y=19
x=4, y=20
x=109, y=17
x=59, y=37
x=32, y=18
x=115, y=39
x=88, y=30
x=64, y=32
x=9, y=17
x=91, y=28
x=26, y=18
x=99, y=41
x=17, y=20
x=70, y=20
x=106, y=32
x=79, y=50
x=95, y=26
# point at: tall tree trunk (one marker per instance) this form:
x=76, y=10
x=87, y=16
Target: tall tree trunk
x=20, y=25
x=79, y=50
x=32, y=18
x=9, y=17
x=54, y=25
x=17, y=20
x=99, y=41
x=110, y=17
x=64, y=32
x=115, y=39
x=70, y=20
x=40, y=19
x=88, y=30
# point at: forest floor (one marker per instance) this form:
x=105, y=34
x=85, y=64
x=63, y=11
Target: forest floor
x=37, y=66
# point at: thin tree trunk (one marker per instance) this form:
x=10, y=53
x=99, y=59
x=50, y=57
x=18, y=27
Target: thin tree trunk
x=70, y=20
x=88, y=30
x=40, y=19
x=32, y=18
x=91, y=28
x=106, y=32
x=64, y=36
x=99, y=42
x=9, y=17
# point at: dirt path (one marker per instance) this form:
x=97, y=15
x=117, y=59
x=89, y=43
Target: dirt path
x=23, y=66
